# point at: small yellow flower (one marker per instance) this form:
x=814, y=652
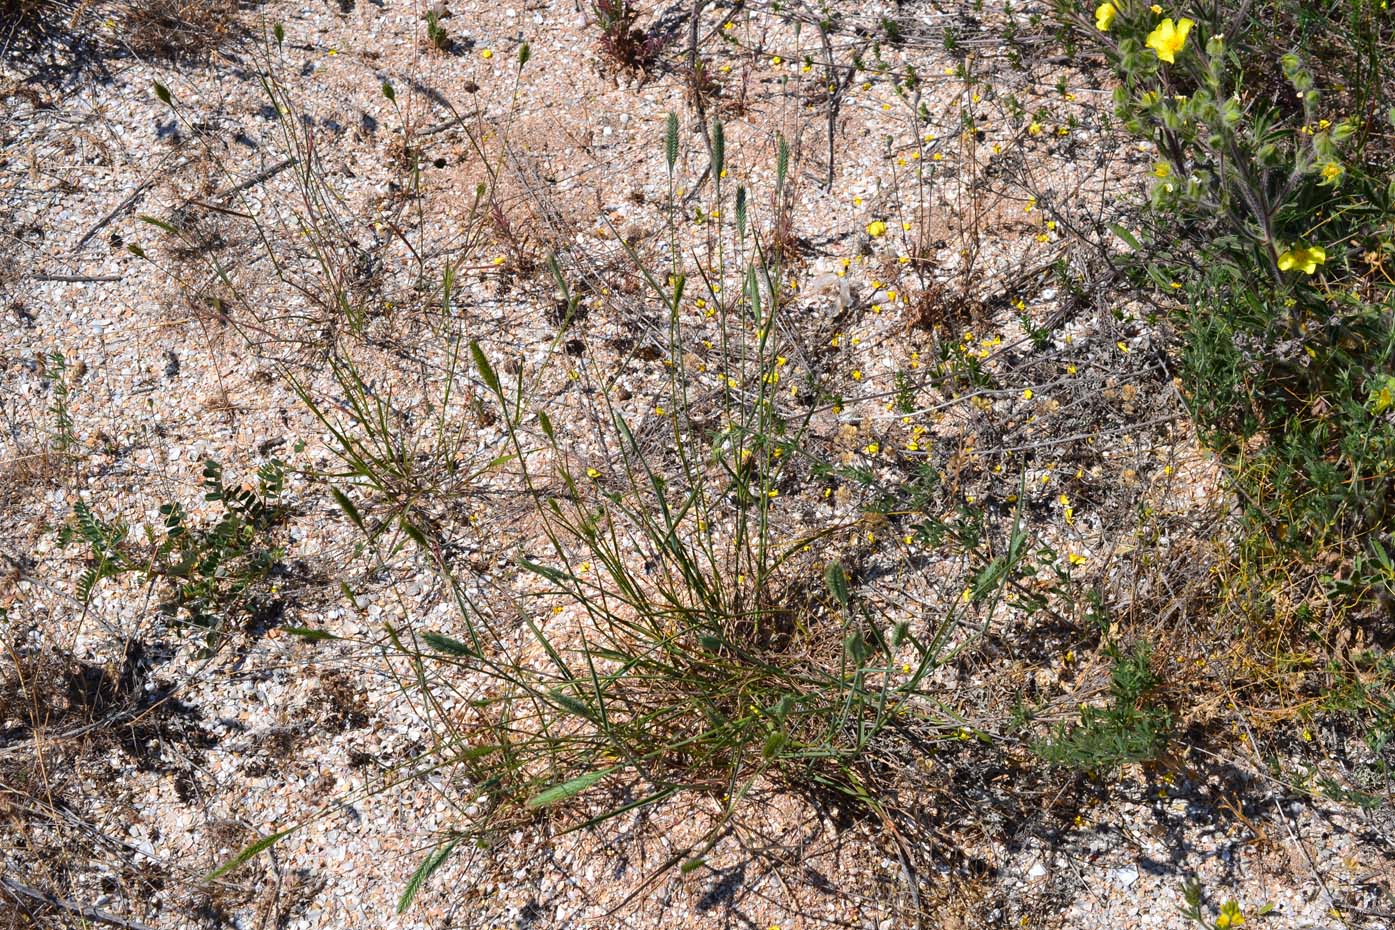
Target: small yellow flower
x=1076, y=558
x=1104, y=16
x=487, y=54
x=1230, y=915
x=1027, y=394
x=856, y=375
x=1169, y=38
x=872, y=448
x=1034, y=129
x=592, y=474
x=876, y=228
x=1161, y=170
x=1383, y=398
x=1331, y=171
x=1157, y=10
x=1304, y=258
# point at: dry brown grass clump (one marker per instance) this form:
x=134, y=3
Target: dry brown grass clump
x=170, y=29
x=179, y=28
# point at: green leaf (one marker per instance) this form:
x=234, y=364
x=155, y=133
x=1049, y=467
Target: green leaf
x=248, y=852
x=988, y=578
x=443, y=643
x=430, y=864
x=305, y=632
x=566, y=790
x=551, y=574
x=1127, y=236
x=837, y=581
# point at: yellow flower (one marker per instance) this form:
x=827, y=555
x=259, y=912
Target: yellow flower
x=1157, y=10
x=1331, y=171
x=1034, y=129
x=1169, y=38
x=1304, y=258
x=1104, y=16
x=1162, y=169
x=1383, y=398
x=487, y=54
x=876, y=228
x=1230, y=915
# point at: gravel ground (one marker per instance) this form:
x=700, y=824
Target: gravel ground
x=123, y=792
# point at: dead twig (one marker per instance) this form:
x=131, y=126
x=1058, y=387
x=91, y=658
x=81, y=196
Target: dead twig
x=101, y=224
x=265, y=174
x=87, y=912
x=79, y=278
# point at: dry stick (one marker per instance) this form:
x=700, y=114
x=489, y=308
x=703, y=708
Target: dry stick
x=451, y=123
x=265, y=174
x=78, y=278
x=87, y=912
x=694, y=63
x=113, y=214
x=835, y=96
